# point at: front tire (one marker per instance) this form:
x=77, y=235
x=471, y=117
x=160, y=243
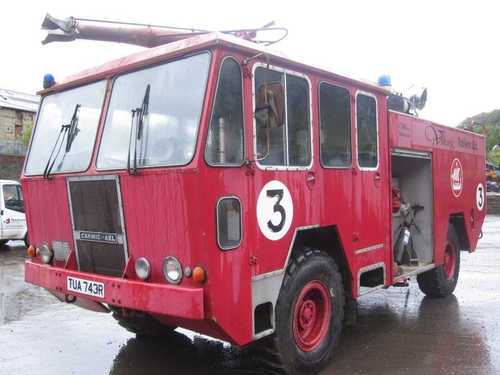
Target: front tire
x=309, y=315
x=442, y=280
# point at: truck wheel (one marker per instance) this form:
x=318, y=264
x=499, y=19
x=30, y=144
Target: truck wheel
x=442, y=280
x=140, y=323
x=309, y=314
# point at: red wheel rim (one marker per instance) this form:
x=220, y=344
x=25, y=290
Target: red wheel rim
x=450, y=260
x=311, y=316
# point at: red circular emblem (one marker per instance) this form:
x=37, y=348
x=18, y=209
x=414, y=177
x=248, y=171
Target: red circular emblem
x=456, y=177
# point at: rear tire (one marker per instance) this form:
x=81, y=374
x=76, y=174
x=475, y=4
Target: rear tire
x=140, y=323
x=442, y=280
x=309, y=315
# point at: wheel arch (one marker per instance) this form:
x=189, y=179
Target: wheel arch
x=327, y=239
x=266, y=287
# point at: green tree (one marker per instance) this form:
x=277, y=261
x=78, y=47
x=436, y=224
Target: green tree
x=491, y=122
x=26, y=133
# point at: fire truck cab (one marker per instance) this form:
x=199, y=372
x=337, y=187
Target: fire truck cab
x=214, y=184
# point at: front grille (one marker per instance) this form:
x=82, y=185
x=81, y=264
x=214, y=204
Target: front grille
x=98, y=224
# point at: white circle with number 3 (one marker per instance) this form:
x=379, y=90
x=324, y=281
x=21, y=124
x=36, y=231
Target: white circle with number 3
x=480, y=196
x=274, y=210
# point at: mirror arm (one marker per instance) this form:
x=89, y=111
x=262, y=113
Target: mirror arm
x=268, y=60
x=268, y=146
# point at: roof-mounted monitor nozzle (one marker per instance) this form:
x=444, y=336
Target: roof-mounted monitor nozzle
x=141, y=35
x=59, y=30
x=418, y=96
x=397, y=102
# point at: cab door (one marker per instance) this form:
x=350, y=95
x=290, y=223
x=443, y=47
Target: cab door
x=370, y=187
x=13, y=219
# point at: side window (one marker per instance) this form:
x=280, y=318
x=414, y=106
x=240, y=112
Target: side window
x=13, y=198
x=289, y=144
x=225, y=136
x=229, y=231
x=335, y=126
x=367, y=131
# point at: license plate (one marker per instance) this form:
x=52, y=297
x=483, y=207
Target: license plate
x=90, y=288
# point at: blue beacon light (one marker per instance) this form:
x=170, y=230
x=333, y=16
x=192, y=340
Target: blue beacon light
x=48, y=81
x=384, y=80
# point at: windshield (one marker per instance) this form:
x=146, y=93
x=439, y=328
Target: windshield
x=154, y=114
x=65, y=132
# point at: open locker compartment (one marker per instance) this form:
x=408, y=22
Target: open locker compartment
x=412, y=175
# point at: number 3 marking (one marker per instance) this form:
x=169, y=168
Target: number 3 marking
x=274, y=210
x=277, y=208
x=480, y=196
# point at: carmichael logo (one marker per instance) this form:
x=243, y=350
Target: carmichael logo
x=98, y=237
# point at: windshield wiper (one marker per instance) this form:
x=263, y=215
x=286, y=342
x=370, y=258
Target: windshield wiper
x=141, y=112
x=48, y=167
x=73, y=128
x=130, y=143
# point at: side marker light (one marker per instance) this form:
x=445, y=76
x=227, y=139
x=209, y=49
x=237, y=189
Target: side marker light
x=199, y=274
x=32, y=251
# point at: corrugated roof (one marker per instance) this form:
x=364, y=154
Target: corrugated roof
x=18, y=100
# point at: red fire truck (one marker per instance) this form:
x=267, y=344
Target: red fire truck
x=211, y=183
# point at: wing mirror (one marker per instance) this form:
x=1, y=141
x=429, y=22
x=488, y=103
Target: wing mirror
x=270, y=112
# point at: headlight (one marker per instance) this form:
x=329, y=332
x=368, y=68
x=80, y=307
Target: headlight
x=142, y=268
x=46, y=253
x=172, y=270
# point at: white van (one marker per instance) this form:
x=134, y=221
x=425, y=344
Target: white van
x=13, y=219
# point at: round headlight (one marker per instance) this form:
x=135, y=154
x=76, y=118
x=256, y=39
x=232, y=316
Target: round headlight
x=172, y=270
x=142, y=268
x=46, y=253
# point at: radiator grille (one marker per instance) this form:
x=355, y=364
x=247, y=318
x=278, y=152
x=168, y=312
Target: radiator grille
x=96, y=210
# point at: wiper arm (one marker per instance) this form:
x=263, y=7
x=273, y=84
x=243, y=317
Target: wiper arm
x=141, y=112
x=130, y=143
x=73, y=128
x=48, y=167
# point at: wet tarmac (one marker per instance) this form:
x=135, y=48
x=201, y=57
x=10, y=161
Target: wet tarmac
x=398, y=331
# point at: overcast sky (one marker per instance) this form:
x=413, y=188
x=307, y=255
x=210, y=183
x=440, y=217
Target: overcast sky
x=449, y=47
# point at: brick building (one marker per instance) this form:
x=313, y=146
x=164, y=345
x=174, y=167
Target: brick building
x=16, y=111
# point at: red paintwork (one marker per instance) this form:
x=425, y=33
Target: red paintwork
x=171, y=211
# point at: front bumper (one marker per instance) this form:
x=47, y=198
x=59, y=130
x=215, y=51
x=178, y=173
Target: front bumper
x=164, y=299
